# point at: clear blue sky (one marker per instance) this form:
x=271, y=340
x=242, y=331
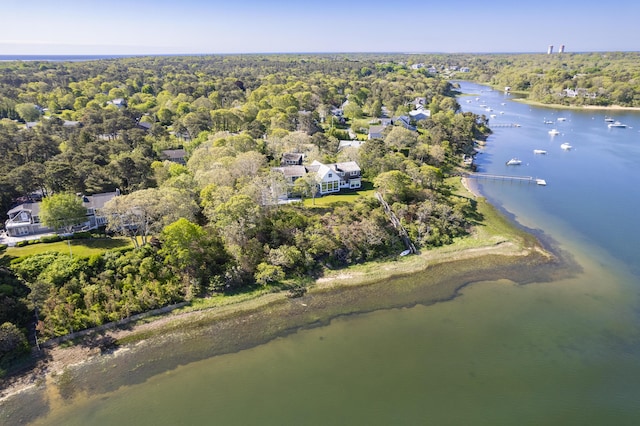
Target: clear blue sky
x=249, y=26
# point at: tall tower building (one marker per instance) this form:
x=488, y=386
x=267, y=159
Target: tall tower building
x=550, y=49
x=561, y=50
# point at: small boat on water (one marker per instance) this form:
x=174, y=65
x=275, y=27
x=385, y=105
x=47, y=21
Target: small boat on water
x=548, y=122
x=617, y=124
x=561, y=119
x=514, y=162
x=609, y=120
x=554, y=132
x=539, y=151
x=566, y=146
x=541, y=182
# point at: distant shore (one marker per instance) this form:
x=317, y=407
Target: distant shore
x=577, y=107
x=498, y=250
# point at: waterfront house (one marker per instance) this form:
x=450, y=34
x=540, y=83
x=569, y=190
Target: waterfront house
x=336, y=176
x=330, y=178
x=24, y=219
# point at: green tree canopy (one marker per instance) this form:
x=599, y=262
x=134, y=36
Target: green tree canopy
x=62, y=211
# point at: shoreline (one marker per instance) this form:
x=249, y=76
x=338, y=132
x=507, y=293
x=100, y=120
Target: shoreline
x=557, y=106
x=518, y=256
x=577, y=107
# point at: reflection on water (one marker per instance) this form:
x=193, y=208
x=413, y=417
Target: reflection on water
x=548, y=353
x=559, y=352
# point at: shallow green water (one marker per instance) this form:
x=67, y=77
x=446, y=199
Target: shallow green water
x=554, y=353
x=564, y=352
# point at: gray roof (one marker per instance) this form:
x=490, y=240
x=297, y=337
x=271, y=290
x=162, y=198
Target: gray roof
x=97, y=201
x=348, y=166
x=376, y=131
x=292, y=171
x=34, y=208
x=349, y=144
x=174, y=154
x=292, y=156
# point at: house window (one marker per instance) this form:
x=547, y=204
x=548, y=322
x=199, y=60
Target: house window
x=330, y=175
x=354, y=173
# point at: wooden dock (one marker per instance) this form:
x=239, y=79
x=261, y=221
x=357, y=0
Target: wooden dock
x=507, y=178
x=503, y=125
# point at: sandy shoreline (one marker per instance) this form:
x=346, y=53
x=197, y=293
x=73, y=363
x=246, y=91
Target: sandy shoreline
x=578, y=107
x=495, y=257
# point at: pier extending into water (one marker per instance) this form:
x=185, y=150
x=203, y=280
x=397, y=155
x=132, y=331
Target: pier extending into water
x=504, y=125
x=508, y=178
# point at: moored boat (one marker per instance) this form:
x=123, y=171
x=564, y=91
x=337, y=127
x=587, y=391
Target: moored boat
x=617, y=124
x=566, y=146
x=514, y=162
x=539, y=151
x=554, y=132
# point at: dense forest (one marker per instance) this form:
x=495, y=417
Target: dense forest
x=213, y=225
x=577, y=79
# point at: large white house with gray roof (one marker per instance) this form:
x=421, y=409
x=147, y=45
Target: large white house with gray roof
x=331, y=178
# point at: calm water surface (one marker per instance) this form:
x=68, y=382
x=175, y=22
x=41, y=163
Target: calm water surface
x=556, y=353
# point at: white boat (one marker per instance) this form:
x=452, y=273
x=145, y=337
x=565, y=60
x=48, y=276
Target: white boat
x=561, y=119
x=609, y=120
x=566, y=146
x=514, y=162
x=541, y=182
x=405, y=253
x=539, y=151
x=554, y=132
x=617, y=124
x=548, y=122
x=493, y=116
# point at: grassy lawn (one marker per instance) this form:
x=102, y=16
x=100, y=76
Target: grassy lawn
x=79, y=248
x=345, y=195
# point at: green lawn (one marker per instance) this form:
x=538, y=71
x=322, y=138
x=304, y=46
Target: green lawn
x=79, y=248
x=345, y=195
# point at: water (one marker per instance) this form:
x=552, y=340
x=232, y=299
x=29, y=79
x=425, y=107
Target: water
x=565, y=352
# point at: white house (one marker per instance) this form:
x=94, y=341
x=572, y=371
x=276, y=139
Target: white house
x=336, y=176
x=420, y=114
x=331, y=178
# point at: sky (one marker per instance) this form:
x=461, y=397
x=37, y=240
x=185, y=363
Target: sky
x=136, y=27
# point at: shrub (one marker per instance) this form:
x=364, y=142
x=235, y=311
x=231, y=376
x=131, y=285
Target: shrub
x=22, y=243
x=3, y=247
x=50, y=239
x=81, y=235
